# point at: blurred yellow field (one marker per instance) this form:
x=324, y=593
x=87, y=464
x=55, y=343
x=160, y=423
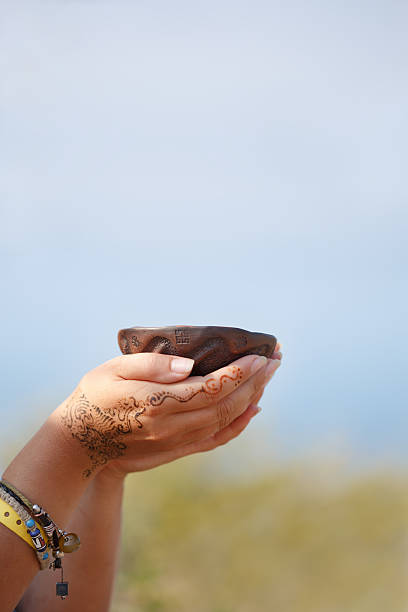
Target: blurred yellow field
x=277, y=542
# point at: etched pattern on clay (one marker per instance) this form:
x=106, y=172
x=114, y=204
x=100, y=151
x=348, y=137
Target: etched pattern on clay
x=211, y=347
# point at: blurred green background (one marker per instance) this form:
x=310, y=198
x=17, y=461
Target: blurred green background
x=227, y=531
x=297, y=538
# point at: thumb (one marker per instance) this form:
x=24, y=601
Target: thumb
x=153, y=367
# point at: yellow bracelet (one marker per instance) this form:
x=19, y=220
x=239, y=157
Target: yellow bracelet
x=10, y=519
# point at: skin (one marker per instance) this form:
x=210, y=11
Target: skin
x=91, y=570
x=132, y=413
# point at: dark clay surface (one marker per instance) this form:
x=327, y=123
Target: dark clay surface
x=210, y=347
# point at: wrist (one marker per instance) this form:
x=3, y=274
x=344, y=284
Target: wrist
x=111, y=475
x=48, y=470
x=75, y=452
x=108, y=474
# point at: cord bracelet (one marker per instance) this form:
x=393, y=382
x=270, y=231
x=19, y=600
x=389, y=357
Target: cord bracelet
x=15, y=517
x=41, y=534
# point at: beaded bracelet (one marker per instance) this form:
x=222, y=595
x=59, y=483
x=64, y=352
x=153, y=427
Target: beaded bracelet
x=34, y=535
x=59, y=541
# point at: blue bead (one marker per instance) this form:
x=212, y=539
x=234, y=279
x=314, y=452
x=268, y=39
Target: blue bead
x=45, y=556
x=34, y=532
x=30, y=523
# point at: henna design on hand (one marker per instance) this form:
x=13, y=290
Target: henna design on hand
x=214, y=387
x=99, y=430
x=211, y=388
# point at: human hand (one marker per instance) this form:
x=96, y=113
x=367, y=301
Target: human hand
x=134, y=412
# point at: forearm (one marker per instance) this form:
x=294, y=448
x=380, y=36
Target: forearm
x=48, y=472
x=130, y=414
x=91, y=570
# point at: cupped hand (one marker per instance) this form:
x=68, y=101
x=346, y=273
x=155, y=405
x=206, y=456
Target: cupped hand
x=136, y=412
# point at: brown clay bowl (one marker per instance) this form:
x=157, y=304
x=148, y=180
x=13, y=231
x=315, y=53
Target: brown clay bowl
x=210, y=347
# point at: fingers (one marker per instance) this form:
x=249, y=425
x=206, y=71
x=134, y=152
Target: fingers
x=227, y=433
x=209, y=443
x=222, y=412
x=205, y=432
x=272, y=366
x=151, y=367
x=257, y=397
x=277, y=353
x=198, y=391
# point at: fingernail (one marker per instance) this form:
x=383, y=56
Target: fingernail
x=257, y=364
x=271, y=369
x=181, y=365
x=255, y=410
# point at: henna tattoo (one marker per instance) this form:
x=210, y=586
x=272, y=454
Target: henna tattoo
x=214, y=387
x=211, y=388
x=157, y=398
x=100, y=430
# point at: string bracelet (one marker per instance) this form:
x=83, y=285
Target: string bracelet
x=11, y=501
x=39, y=523
x=35, y=538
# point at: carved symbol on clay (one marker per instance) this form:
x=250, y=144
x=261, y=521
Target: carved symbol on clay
x=124, y=345
x=135, y=341
x=182, y=336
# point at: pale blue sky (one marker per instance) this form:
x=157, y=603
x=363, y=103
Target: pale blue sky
x=231, y=163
